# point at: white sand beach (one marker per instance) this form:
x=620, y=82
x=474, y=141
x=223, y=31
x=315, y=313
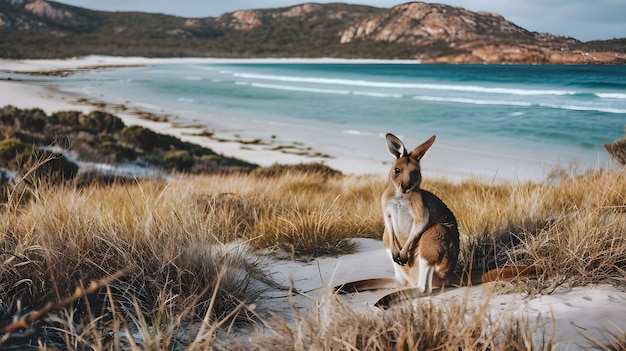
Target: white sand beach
x=268, y=143
x=589, y=311
x=231, y=139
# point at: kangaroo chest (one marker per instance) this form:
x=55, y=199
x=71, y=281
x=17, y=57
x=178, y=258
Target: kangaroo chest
x=402, y=216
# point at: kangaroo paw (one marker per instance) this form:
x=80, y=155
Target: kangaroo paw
x=398, y=258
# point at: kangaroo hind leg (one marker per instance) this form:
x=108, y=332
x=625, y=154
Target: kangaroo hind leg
x=424, y=276
x=437, y=253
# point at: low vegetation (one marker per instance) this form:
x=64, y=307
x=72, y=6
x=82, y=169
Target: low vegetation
x=190, y=253
x=424, y=325
x=29, y=135
x=183, y=262
x=617, y=149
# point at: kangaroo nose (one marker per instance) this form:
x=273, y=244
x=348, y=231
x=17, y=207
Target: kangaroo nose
x=405, y=188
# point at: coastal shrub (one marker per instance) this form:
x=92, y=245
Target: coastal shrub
x=95, y=121
x=4, y=185
x=119, y=152
x=7, y=114
x=68, y=118
x=53, y=167
x=93, y=177
x=617, y=149
x=180, y=160
x=139, y=137
x=150, y=141
x=31, y=120
x=12, y=151
x=305, y=168
x=211, y=163
x=103, y=137
x=40, y=164
x=98, y=121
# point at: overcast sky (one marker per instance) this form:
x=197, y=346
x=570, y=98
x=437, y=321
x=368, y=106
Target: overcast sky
x=582, y=19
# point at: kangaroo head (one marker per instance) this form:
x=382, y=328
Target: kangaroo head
x=405, y=172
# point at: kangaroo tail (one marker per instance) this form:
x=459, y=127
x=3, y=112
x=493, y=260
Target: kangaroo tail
x=473, y=277
x=367, y=284
x=478, y=276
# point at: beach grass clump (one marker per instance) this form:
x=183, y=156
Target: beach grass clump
x=63, y=238
x=572, y=226
x=306, y=231
x=304, y=214
x=418, y=325
x=585, y=244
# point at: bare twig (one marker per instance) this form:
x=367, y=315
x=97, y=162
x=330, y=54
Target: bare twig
x=80, y=292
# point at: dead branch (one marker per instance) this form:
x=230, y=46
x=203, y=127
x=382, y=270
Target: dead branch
x=80, y=292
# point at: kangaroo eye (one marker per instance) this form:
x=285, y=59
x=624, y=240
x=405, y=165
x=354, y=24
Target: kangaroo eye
x=397, y=170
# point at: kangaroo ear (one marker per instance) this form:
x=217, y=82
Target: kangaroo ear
x=395, y=146
x=419, y=151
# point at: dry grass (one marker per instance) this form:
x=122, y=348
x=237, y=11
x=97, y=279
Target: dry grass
x=572, y=226
x=612, y=340
x=63, y=237
x=423, y=325
x=189, y=271
x=303, y=214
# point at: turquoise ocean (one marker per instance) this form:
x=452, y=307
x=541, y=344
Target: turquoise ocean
x=554, y=113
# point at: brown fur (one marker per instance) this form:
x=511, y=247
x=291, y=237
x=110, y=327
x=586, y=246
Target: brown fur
x=418, y=225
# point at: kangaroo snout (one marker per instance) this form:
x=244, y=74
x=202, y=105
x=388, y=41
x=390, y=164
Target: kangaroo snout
x=406, y=188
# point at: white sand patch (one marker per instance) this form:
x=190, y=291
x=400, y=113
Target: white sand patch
x=578, y=313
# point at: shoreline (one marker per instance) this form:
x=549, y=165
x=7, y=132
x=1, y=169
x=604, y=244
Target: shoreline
x=225, y=138
x=77, y=64
x=255, y=143
x=260, y=142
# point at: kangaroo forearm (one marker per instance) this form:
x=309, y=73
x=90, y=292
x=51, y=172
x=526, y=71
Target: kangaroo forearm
x=391, y=238
x=412, y=241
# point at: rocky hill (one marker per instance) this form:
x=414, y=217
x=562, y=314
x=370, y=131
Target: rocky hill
x=416, y=30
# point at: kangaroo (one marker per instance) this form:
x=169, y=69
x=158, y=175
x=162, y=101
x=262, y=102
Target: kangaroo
x=421, y=235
